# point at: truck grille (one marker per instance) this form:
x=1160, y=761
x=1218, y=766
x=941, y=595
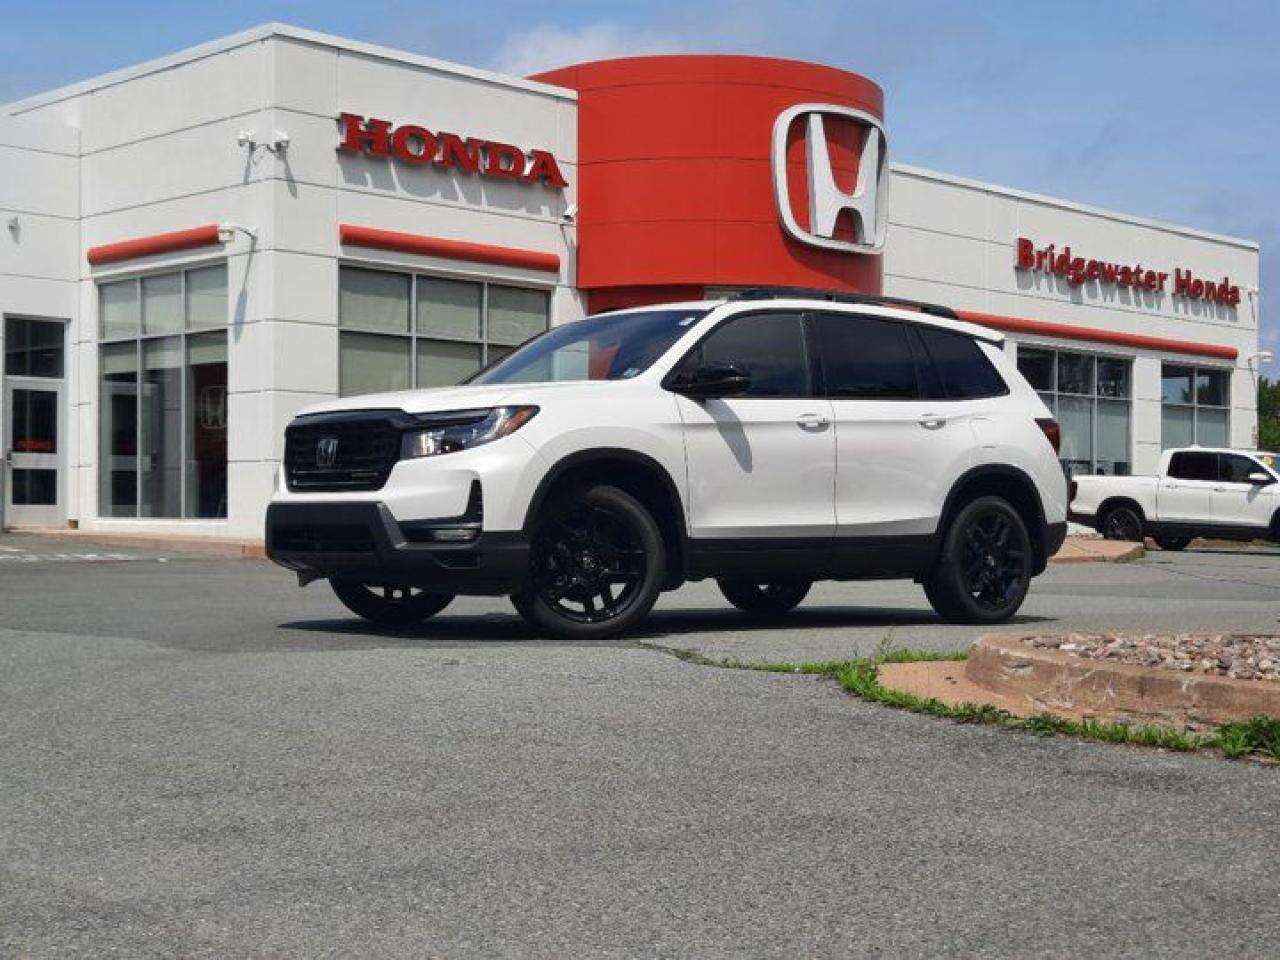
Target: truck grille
x=340, y=453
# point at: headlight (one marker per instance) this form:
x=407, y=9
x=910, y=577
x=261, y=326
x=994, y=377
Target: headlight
x=462, y=430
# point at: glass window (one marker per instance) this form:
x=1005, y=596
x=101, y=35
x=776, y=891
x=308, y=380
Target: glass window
x=768, y=347
x=1175, y=383
x=118, y=430
x=206, y=372
x=1113, y=377
x=865, y=358
x=1075, y=374
x=449, y=308
x=1195, y=406
x=33, y=348
x=1194, y=466
x=1233, y=468
x=516, y=314
x=162, y=304
x=1091, y=403
x=34, y=488
x=369, y=363
x=162, y=449
x=118, y=309
x=442, y=363
x=1037, y=367
x=207, y=298
x=161, y=422
x=964, y=369
x=33, y=419
x=458, y=326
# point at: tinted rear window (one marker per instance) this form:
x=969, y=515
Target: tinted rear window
x=963, y=368
x=1194, y=466
x=867, y=359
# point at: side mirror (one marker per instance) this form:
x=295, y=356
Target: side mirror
x=715, y=380
x=1258, y=478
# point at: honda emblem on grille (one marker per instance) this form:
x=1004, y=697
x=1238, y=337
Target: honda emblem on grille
x=326, y=451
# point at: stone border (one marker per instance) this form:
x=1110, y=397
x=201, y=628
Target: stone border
x=1050, y=681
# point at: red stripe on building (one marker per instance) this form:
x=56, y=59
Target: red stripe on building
x=205, y=236
x=1092, y=334
x=357, y=236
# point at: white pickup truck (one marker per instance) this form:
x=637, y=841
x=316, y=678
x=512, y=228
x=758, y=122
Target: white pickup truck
x=1200, y=492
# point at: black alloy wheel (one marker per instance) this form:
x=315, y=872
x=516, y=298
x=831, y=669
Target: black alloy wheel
x=1122, y=523
x=596, y=565
x=770, y=598
x=388, y=603
x=984, y=570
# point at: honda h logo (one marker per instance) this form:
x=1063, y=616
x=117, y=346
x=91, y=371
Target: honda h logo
x=866, y=204
x=326, y=451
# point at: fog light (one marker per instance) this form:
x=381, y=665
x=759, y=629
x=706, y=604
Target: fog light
x=454, y=534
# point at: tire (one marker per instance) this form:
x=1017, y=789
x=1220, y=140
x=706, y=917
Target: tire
x=984, y=568
x=1121, y=523
x=764, y=598
x=596, y=566
x=391, y=605
x=1172, y=543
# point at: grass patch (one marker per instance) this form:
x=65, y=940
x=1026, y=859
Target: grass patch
x=1258, y=736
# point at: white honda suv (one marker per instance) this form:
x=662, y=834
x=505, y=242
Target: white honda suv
x=767, y=441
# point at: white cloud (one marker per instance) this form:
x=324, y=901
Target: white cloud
x=543, y=47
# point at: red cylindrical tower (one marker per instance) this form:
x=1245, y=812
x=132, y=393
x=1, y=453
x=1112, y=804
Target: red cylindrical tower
x=676, y=188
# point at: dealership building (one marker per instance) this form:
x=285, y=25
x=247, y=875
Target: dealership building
x=193, y=249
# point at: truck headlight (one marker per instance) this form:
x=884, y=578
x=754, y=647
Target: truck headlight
x=462, y=429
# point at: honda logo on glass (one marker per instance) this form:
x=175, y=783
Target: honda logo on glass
x=866, y=205
x=326, y=451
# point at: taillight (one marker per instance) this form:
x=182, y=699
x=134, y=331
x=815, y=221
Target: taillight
x=1051, y=430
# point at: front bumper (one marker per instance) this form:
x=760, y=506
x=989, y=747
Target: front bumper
x=362, y=540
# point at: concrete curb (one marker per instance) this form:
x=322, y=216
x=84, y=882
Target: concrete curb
x=1093, y=550
x=208, y=546
x=1050, y=681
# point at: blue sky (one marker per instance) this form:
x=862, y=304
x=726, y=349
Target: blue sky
x=1166, y=110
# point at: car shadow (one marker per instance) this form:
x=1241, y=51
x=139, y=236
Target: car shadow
x=496, y=629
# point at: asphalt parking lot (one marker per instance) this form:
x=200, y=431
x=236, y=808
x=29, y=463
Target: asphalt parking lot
x=199, y=759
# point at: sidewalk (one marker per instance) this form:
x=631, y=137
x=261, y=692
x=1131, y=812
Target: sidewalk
x=1097, y=550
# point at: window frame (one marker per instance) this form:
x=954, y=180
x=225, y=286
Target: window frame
x=414, y=336
x=1195, y=406
x=139, y=339
x=916, y=350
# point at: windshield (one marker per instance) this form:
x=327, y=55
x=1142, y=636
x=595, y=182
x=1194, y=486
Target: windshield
x=608, y=347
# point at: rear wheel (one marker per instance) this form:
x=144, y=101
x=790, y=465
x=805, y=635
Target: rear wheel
x=984, y=569
x=597, y=565
x=388, y=604
x=1172, y=543
x=769, y=598
x=1121, y=523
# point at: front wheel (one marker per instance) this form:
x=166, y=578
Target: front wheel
x=388, y=604
x=770, y=598
x=596, y=565
x=984, y=569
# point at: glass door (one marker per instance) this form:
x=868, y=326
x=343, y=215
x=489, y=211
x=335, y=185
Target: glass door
x=33, y=445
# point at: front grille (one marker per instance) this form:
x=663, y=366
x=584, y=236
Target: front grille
x=324, y=538
x=362, y=450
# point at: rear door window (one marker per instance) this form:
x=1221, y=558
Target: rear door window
x=1194, y=466
x=864, y=358
x=963, y=369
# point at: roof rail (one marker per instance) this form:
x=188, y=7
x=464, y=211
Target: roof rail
x=866, y=299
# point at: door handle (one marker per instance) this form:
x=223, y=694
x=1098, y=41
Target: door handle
x=812, y=421
x=931, y=421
